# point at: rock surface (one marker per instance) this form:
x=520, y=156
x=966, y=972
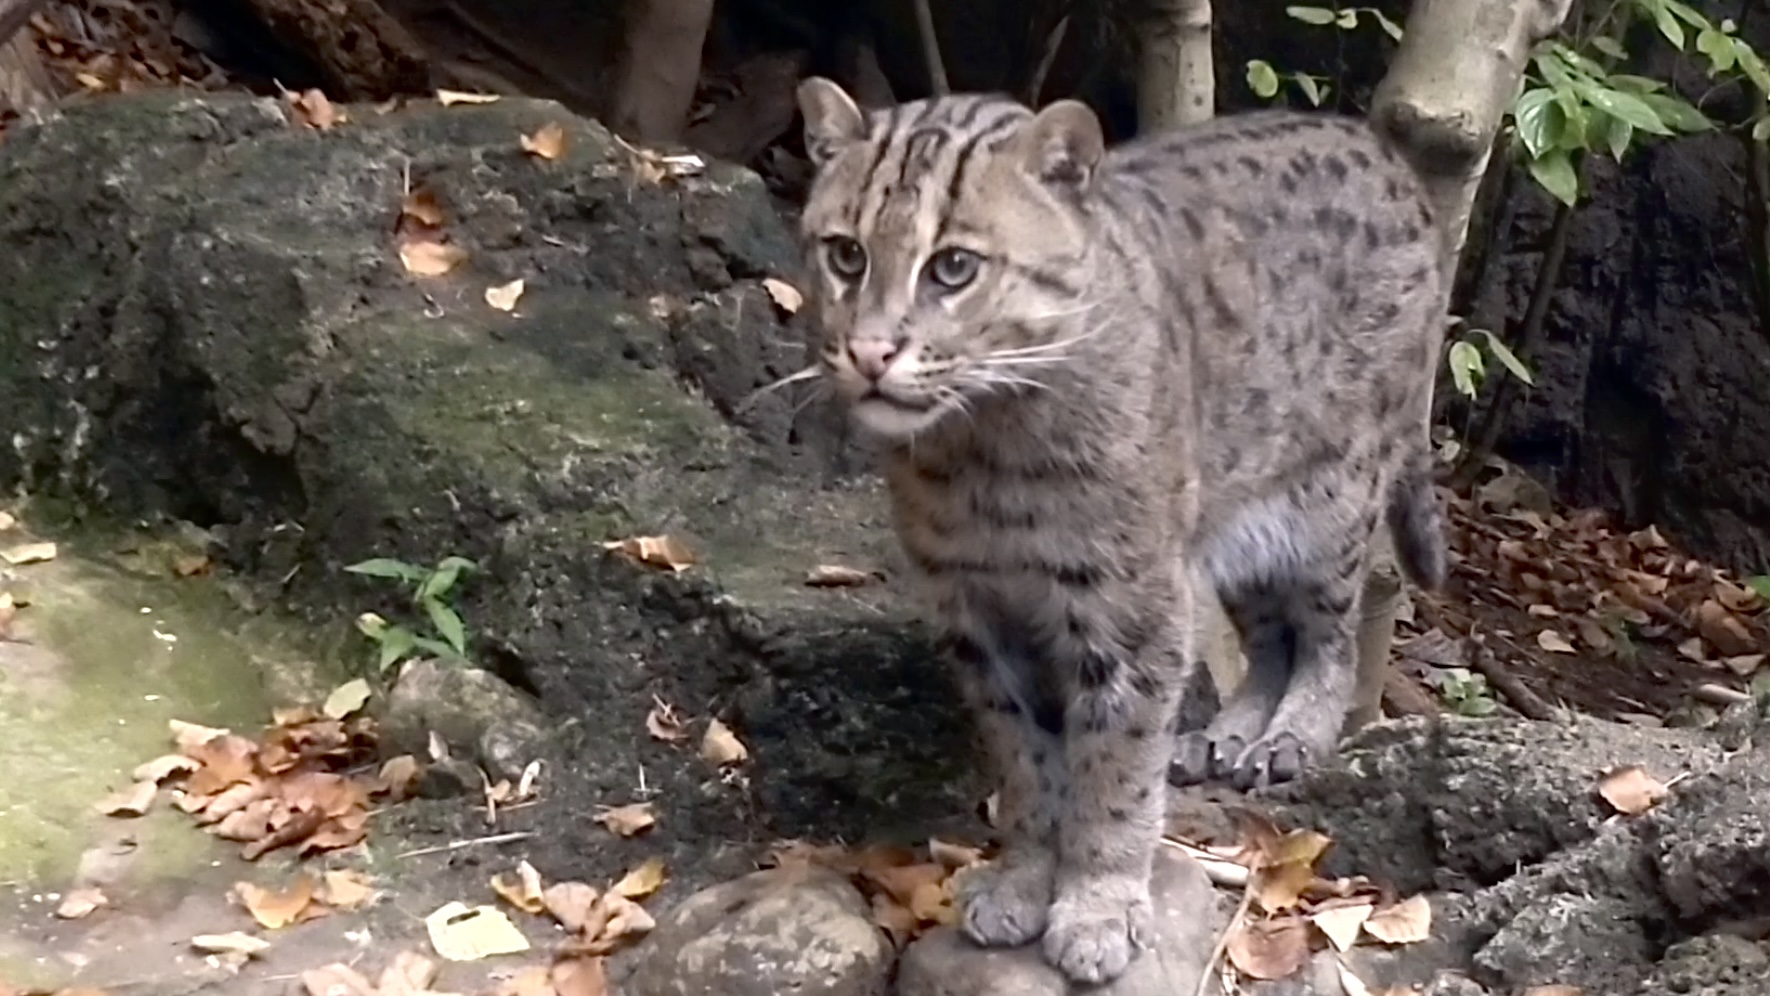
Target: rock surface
x=474, y=712
x=945, y=963
x=799, y=930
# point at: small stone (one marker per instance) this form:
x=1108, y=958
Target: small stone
x=468, y=707
x=945, y=963
x=784, y=930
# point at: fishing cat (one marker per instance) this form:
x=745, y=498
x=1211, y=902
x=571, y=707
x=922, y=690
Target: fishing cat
x=1105, y=380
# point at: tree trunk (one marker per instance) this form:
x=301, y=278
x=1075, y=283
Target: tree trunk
x=1175, y=82
x=1460, y=66
x=659, y=68
x=363, y=52
x=24, y=83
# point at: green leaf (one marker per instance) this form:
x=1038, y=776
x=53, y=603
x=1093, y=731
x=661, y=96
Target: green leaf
x=1507, y=358
x=1685, y=13
x=1619, y=104
x=1761, y=585
x=1553, y=67
x=346, y=699
x=396, y=643
x=460, y=563
x=1617, y=135
x=1675, y=112
x=1752, y=66
x=1610, y=47
x=1309, y=87
x=448, y=623
x=1634, y=84
x=1720, y=49
x=1556, y=174
x=1465, y=367
x=1539, y=118
x=1262, y=79
x=1668, y=26
x=1312, y=15
x=1347, y=19
x=385, y=567
x=437, y=648
x=1389, y=27
x=1761, y=129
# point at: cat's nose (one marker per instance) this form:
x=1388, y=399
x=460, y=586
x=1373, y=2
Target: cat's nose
x=872, y=357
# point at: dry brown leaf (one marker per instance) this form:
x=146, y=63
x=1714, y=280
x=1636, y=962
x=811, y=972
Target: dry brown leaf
x=397, y=777
x=81, y=903
x=894, y=919
x=1723, y=629
x=314, y=110
x=336, y=979
x=1554, y=642
x=534, y=980
x=1554, y=991
x=786, y=296
x=665, y=723
x=548, y=141
x=1745, y=665
x=655, y=551
x=345, y=889
x=449, y=98
x=409, y=974
x=462, y=933
x=1407, y=922
x=627, y=821
x=275, y=909
x=838, y=576
x=162, y=768
x=721, y=746
x=503, y=297
x=579, y=977
x=28, y=553
x=641, y=881
x=617, y=920
x=953, y=856
x=424, y=207
x=1269, y=949
x=523, y=890
x=346, y=699
x=90, y=82
x=570, y=903
x=1541, y=611
x=1279, y=887
x=1340, y=924
x=135, y=800
x=7, y=521
x=428, y=258
x=235, y=942
x=8, y=611
x=1631, y=790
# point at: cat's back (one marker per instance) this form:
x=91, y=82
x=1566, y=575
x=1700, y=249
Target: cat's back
x=1277, y=174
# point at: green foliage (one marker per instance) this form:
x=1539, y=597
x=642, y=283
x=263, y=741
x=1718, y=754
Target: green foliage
x=1572, y=104
x=1468, y=361
x=430, y=587
x=1345, y=18
x=1761, y=585
x=1266, y=82
x=1464, y=691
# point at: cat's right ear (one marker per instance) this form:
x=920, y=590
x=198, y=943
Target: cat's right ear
x=832, y=119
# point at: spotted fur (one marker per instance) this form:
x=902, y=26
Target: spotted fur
x=1104, y=379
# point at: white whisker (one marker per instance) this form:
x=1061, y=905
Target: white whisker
x=793, y=378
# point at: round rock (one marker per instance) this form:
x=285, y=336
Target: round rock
x=798, y=931
x=476, y=713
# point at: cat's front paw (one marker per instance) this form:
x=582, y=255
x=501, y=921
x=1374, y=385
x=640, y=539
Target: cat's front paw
x=1094, y=935
x=1005, y=903
x=1271, y=760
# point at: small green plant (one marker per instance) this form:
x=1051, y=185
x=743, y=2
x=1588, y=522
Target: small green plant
x=1469, y=354
x=1266, y=81
x=1464, y=691
x=445, y=635
x=1761, y=585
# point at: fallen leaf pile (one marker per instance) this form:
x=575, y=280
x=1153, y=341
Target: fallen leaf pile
x=307, y=784
x=306, y=897
x=910, y=893
x=126, y=51
x=1594, y=590
x=424, y=246
x=1289, y=911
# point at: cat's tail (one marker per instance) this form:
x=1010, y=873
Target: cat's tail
x=1417, y=521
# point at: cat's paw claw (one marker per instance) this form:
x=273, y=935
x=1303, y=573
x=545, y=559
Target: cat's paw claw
x=1271, y=760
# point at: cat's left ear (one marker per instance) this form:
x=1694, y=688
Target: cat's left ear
x=832, y=119
x=1062, y=145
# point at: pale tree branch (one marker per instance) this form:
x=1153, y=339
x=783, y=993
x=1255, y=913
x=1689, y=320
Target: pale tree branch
x=659, y=68
x=931, y=49
x=14, y=14
x=1175, y=80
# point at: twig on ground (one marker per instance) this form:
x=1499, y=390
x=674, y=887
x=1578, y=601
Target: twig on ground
x=1488, y=665
x=497, y=838
x=1222, y=945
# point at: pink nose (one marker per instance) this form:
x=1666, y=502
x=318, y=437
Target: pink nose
x=872, y=357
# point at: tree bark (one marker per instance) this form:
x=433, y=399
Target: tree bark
x=24, y=83
x=1459, y=68
x=362, y=51
x=1175, y=81
x=660, y=67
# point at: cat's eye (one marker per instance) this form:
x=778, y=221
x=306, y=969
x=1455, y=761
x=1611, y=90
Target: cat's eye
x=954, y=268
x=846, y=257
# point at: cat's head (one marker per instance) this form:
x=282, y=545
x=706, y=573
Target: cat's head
x=944, y=240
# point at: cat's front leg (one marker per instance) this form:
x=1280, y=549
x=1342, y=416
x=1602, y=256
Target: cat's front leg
x=1005, y=903
x=1116, y=751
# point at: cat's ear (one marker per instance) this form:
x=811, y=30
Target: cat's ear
x=832, y=119
x=1062, y=144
